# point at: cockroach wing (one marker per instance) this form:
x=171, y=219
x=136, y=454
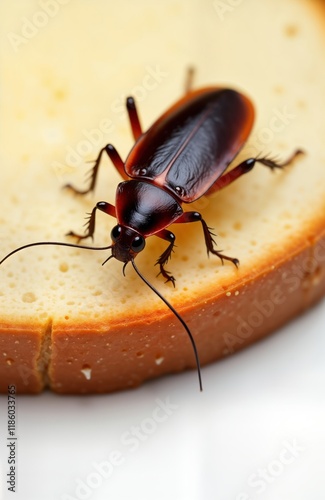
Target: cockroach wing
x=190, y=146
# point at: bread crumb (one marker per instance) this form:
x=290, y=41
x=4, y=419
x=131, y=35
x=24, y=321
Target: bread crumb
x=159, y=360
x=86, y=371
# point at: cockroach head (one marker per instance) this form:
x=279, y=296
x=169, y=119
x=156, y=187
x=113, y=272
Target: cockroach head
x=127, y=243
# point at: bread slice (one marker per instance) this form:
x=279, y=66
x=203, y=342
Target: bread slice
x=72, y=325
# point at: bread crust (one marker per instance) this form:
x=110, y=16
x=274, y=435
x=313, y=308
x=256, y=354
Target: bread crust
x=222, y=321
x=103, y=357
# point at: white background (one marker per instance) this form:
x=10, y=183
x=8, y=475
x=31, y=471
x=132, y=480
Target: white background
x=234, y=441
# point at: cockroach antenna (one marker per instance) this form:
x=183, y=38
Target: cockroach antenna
x=180, y=319
x=85, y=247
x=57, y=243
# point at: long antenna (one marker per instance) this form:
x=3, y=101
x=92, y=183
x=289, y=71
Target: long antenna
x=177, y=316
x=58, y=243
x=84, y=247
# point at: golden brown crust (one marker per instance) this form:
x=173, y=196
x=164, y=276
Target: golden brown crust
x=20, y=349
x=94, y=358
x=227, y=322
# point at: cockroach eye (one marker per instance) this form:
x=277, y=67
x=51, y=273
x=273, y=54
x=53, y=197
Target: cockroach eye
x=140, y=171
x=180, y=191
x=138, y=244
x=115, y=233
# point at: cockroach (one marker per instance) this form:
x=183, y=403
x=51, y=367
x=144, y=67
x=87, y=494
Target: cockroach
x=181, y=157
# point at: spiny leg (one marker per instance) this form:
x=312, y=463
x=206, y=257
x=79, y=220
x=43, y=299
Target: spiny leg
x=209, y=241
x=246, y=166
x=134, y=118
x=112, y=152
x=189, y=79
x=165, y=256
x=117, y=162
x=90, y=224
x=224, y=181
x=208, y=235
x=273, y=163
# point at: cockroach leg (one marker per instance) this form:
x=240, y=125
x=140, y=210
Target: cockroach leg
x=208, y=235
x=189, y=79
x=117, y=162
x=165, y=256
x=134, y=118
x=273, y=164
x=90, y=224
x=246, y=166
x=209, y=241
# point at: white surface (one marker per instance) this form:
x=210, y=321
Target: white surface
x=255, y=406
